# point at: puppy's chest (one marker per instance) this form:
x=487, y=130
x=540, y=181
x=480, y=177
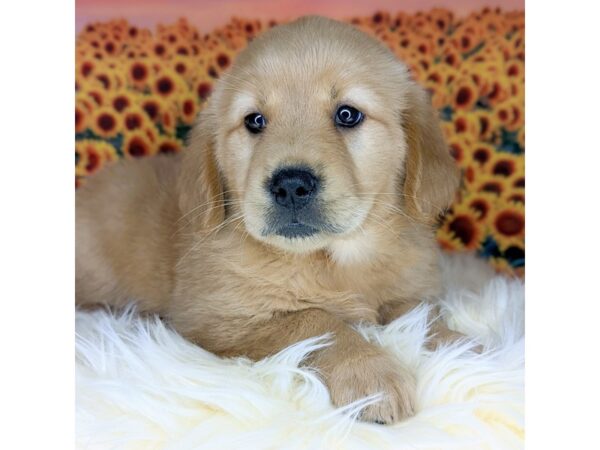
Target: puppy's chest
x=355, y=293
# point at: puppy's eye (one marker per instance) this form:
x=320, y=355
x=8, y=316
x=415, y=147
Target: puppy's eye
x=255, y=122
x=348, y=117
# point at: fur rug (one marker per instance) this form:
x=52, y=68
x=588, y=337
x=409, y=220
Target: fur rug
x=142, y=386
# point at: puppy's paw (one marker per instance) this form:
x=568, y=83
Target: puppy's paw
x=354, y=379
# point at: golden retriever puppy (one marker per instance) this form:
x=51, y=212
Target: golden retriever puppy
x=305, y=202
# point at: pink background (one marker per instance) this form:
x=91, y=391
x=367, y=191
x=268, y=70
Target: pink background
x=208, y=14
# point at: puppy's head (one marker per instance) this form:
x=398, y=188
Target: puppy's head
x=315, y=123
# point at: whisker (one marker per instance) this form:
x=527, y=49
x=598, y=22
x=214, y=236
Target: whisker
x=216, y=229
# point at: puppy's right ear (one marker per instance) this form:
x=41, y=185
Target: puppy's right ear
x=200, y=187
x=431, y=177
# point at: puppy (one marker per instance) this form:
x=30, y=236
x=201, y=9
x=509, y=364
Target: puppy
x=305, y=202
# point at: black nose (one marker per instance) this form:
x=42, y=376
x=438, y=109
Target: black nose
x=293, y=188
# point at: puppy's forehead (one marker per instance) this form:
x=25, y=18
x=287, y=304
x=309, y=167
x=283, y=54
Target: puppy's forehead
x=262, y=87
x=314, y=63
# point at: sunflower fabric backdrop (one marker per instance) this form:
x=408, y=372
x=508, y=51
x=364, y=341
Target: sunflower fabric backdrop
x=139, y=89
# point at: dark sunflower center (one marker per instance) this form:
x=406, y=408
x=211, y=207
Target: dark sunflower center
x=464, y=96
x=223, y=61
x=139, y=72
x=204, y=90
x=165, y=86
x=456, y=152
x=133, y=121
x=151, y=109
x=137, y=148
x=92, y=162
x=504, y=168
x=509, y=223
x=460, y=125
x=106, y=122
x=463, y=228
x=481, y=207
x=492, y=187
x=188, y=107
x=120, y=103
x=167, y=147
x=86, y=69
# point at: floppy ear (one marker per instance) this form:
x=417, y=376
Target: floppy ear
x=200, y=187
x=431, y=175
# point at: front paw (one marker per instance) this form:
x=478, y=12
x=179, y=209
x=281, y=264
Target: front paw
x=356, y=378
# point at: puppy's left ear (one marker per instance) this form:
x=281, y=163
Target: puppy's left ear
x=200, y=186
x=431, y=175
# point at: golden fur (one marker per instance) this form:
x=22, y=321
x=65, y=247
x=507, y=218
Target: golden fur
x=182, y=236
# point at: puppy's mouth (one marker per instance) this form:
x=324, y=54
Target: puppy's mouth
x=296, y=230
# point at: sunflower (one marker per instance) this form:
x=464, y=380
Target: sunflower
x=86, y=67
x=480, y=79
x=98, y=96
x=464, y=94
x=441, y=19
x=497, y=91
x=111, y=48
x=436, y=76
x=182, y=65
x=88, y=157
x=466, y=38
x=187, y=106
x=507, y=224
x=153, y=107
x=504, y=114
x=203, y=86
x=122, y=100
x=518, y=182
x=486, y=123
x=105, y=122
x=137, y=145
x=109, y=152
x=152, y=133
x=139, y=73
x=168, y=121
x=515, y=69
x=462, y=224
x=135, y=118
x=514, y=195
x=516, y=90
x=380, y=19
x=401, y=21
x=506, y=165
x=466, y=124
x=167, y=84
x=482, y=203
x=483, y=182
x=451, y=56
x=81, y=117
x=518, y=115
x=169, y=145
x=161, y=50
x=448, y=242
x=460, y=149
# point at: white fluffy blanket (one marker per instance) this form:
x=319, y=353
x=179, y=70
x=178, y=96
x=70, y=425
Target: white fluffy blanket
x=141, y=386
